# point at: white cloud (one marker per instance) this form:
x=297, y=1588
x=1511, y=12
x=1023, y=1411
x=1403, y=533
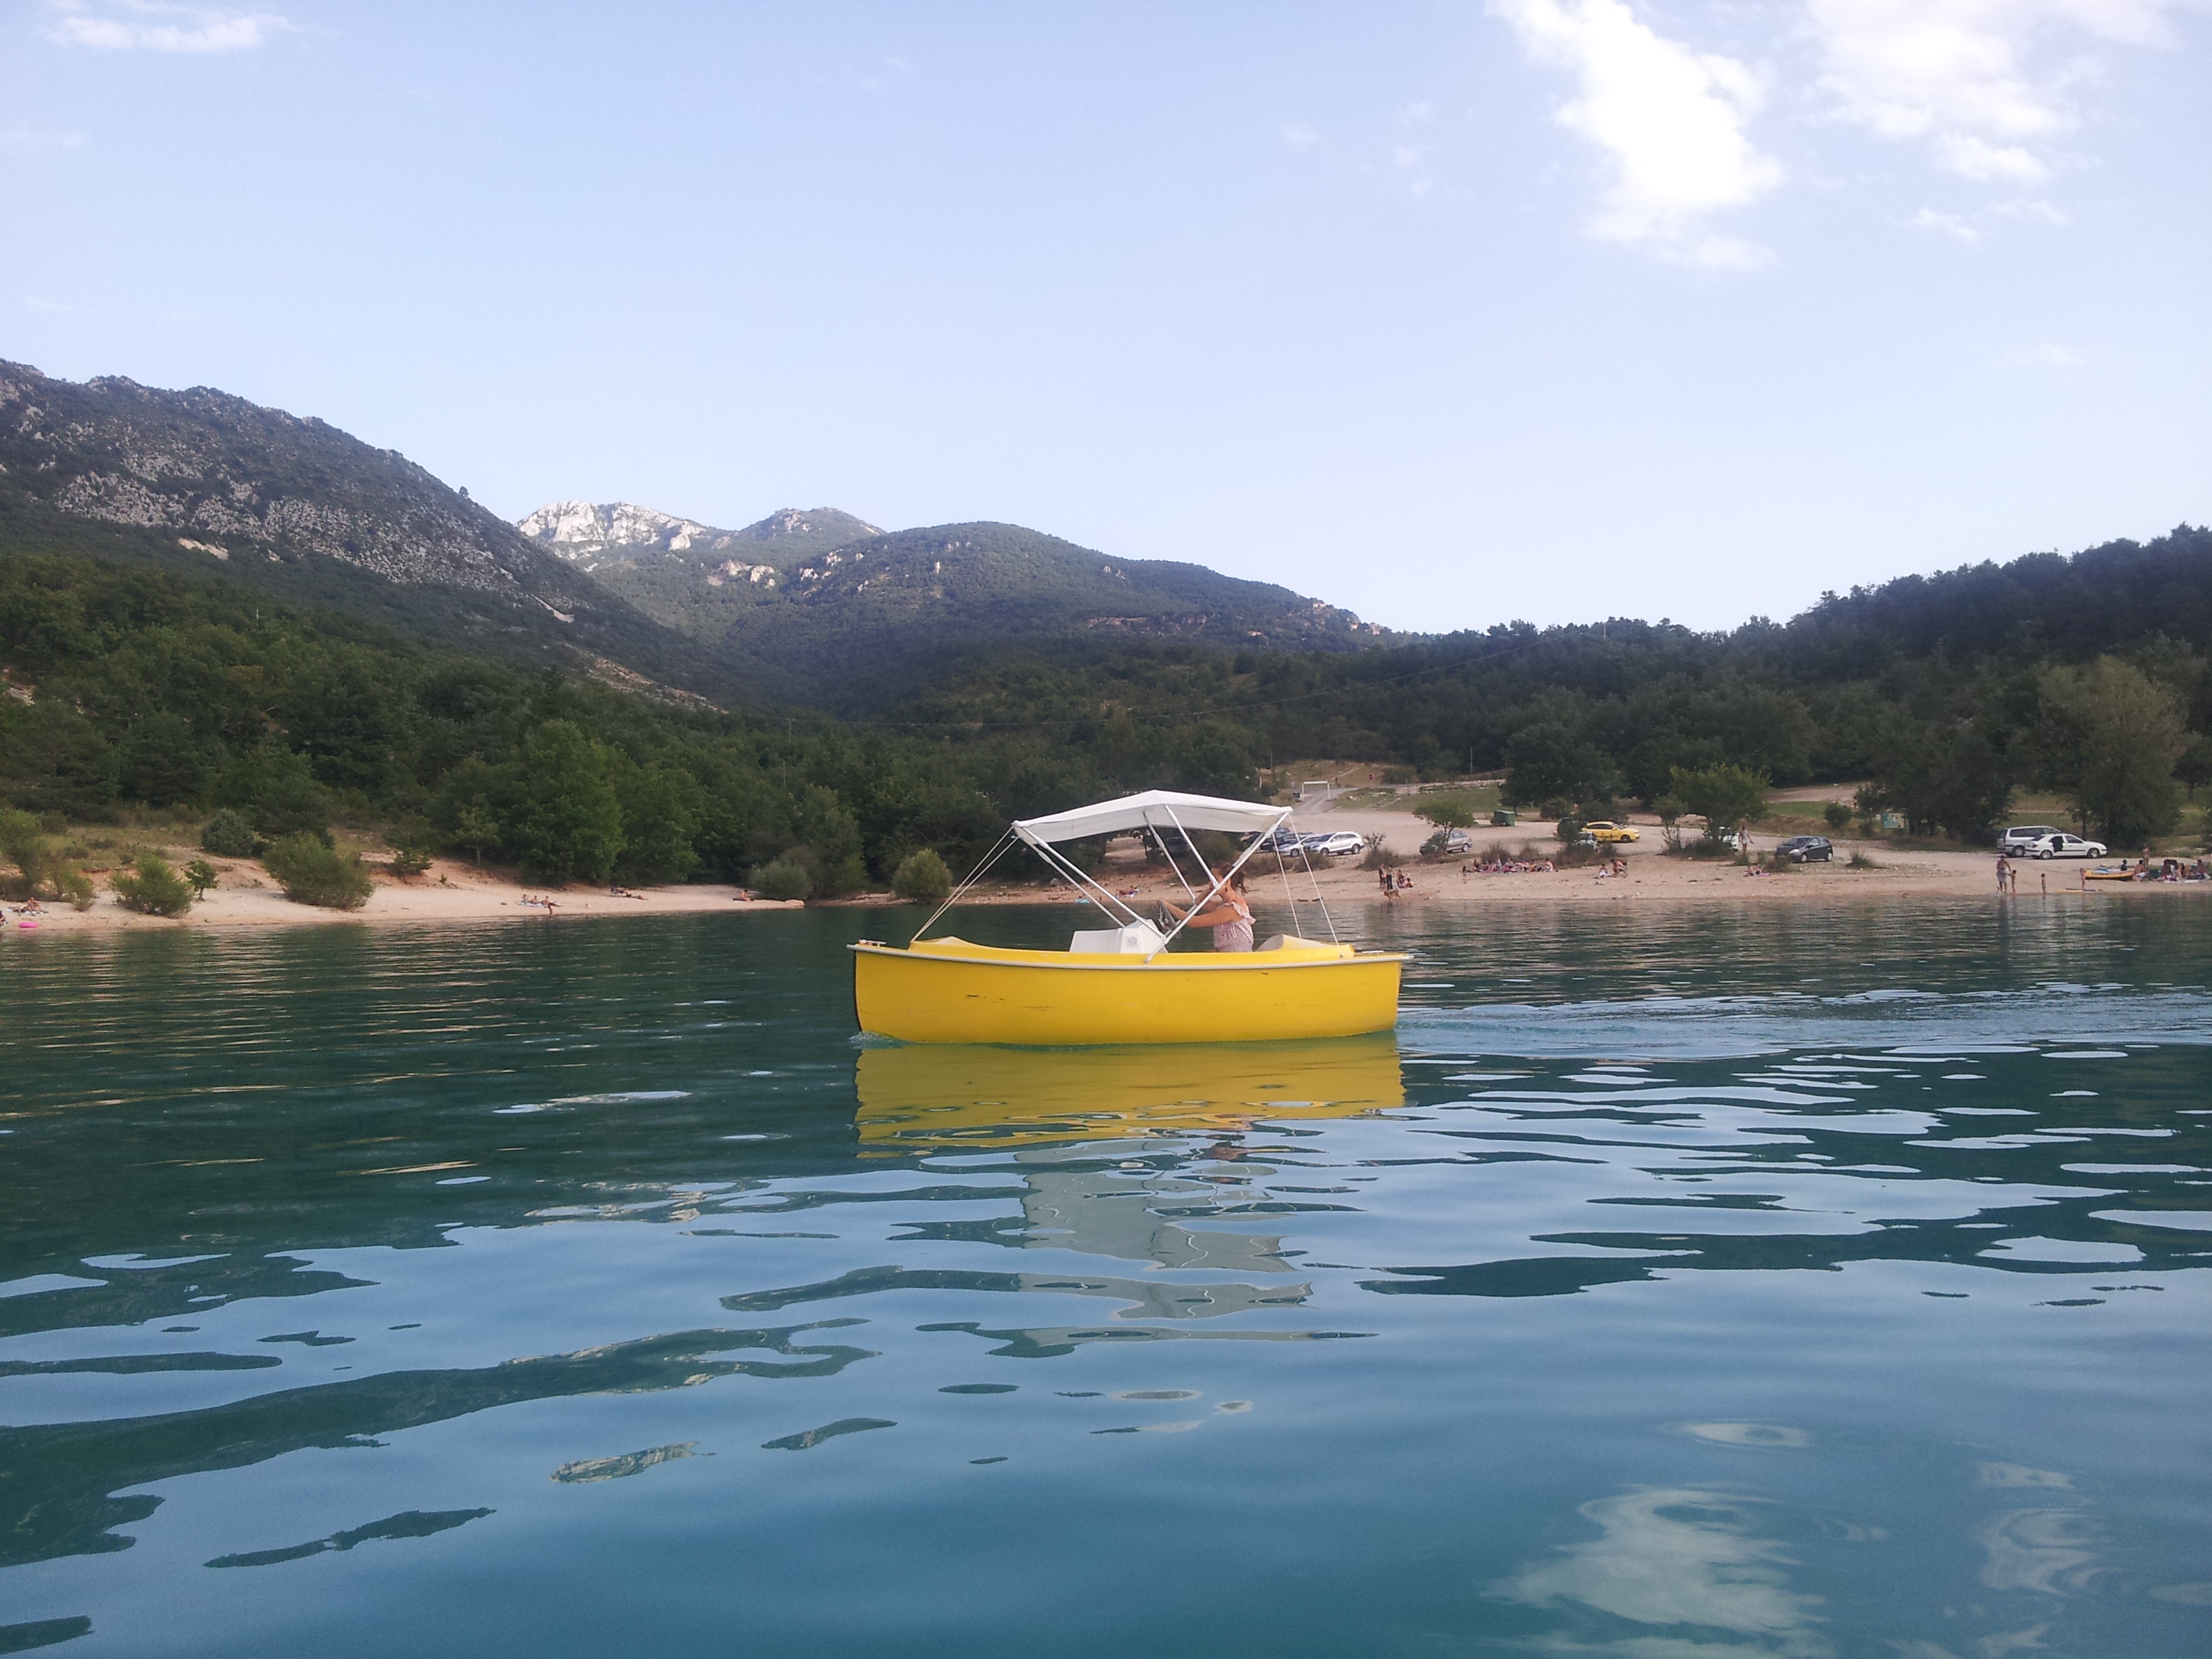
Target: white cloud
x=27, y=140
x=1412, y=162
x=1671, y=121
x=1298, y=136
x=1945, y=224
x=1984, y=83
x=2046, y=355
x=194, y=31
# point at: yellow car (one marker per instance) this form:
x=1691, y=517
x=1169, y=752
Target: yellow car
x=1604, y=829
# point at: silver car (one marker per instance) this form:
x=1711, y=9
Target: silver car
x=1341, y=844
x=2023, y=837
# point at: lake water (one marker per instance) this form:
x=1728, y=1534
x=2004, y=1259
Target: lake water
x=1675, y=1283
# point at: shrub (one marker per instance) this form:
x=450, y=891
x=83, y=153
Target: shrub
x=202, y=875
x=784, y=879
x=1570, y=826
x=923, y=878
x=228, y=835
x=23, y=844
x=409, y=861
x=1860, y=861
x=1380, y=857
x=1447, y=812
x=76, y=886
x=1556, y=807
x=152, y=888
x=848, y=875
x=312, y=873
x=1837, y=814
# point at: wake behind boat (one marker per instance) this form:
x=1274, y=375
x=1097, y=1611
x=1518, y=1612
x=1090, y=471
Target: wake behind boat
x=1121, y=984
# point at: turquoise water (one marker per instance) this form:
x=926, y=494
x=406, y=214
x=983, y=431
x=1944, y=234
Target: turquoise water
x=1713, y=1283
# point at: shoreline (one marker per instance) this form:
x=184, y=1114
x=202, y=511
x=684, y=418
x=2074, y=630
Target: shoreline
x=454, y=892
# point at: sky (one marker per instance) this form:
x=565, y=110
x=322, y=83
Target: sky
x=1551, y=310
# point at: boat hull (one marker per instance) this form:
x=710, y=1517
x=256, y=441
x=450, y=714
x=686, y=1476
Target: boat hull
x=948, y=991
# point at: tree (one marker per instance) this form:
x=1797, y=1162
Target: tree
x=1942, y=775
x=202, y=875
x=152, y=888
x=1446, y=812
x=1551, y=759
x=476, y=828
x=2108, y=736
x=923, y=878
x=1725, y=797
x=1670, y=809
x=569, y=822
x=659, y=817
x=2195, y=766
x=289, y=801
x=1836, y=815
x=313, y=874
x=22, y=844
x=160, y=761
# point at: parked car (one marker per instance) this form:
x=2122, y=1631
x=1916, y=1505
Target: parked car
x=1282, y=840
x=1605, y=830
x=2021, y=837
x=1339, y=844
x=1808, y=849
x=1458, y=842
x=2060, y=845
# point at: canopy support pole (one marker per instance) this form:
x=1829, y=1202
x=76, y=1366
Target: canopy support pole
x=1053, y=856
x=1220, y=881
x=997, y=852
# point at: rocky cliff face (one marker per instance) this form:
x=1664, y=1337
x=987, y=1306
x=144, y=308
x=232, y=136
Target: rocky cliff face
x=232, y=481
x=595, y=535
x=590, y=534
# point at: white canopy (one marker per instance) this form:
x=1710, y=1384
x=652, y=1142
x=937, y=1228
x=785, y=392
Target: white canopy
x=1161, y=809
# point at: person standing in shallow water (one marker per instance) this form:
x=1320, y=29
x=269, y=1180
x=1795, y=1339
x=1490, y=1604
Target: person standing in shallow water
x=1229, y=915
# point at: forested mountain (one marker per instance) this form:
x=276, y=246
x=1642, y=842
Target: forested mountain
x=203, y=603
x=1948, y=690
x=788, y=609
x=299, y=510
x=849, y=627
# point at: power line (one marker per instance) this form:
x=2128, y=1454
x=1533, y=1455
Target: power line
x=1204, y=709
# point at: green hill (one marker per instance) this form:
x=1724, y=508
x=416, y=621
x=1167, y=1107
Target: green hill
x=201, y=481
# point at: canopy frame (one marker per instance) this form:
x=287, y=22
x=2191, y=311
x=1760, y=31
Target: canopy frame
x=1153, y=813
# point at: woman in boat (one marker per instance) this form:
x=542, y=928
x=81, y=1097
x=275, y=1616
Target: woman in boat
x=1229, y=915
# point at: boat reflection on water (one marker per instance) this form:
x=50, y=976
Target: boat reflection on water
x=1102, y=1140
x=937, y=1096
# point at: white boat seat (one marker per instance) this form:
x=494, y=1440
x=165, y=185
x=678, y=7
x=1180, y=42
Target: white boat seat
x=1138, y=938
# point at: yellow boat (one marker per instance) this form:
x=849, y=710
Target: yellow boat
x=1121, y=984
x=942, y=1095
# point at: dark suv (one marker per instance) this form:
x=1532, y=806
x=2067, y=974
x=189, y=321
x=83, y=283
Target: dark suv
x=1808, y=849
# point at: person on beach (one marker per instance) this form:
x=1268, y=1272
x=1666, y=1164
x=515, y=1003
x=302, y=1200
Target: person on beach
x=1228, y=915
x=2004, y=873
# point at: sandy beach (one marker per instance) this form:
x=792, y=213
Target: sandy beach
x=451, y=891
x=454, y=890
